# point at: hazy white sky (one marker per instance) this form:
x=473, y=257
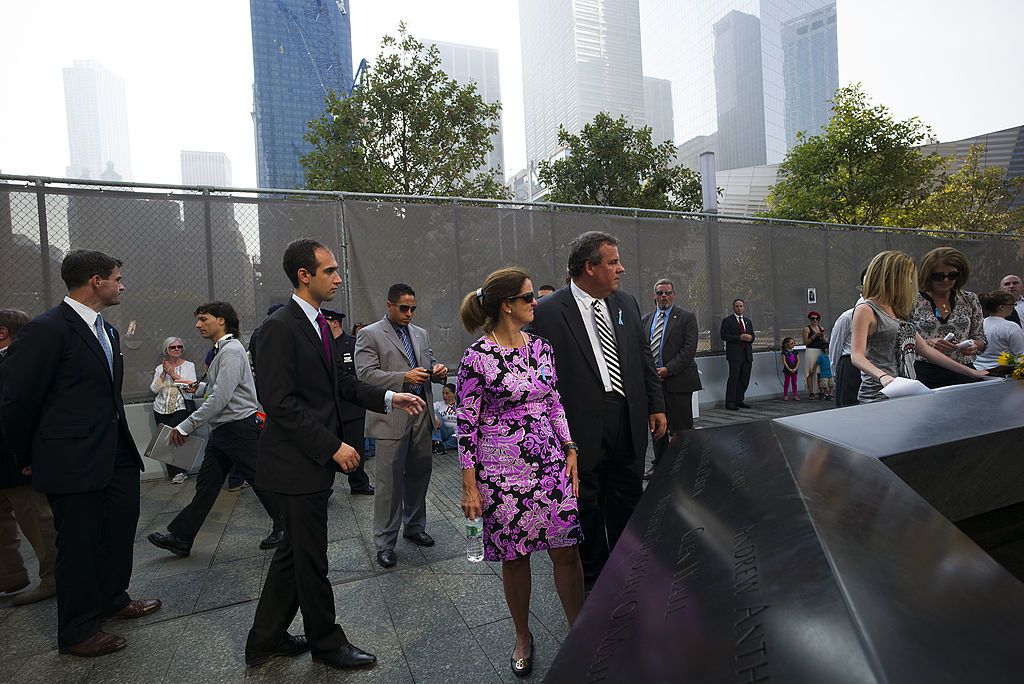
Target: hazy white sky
x=187, y=67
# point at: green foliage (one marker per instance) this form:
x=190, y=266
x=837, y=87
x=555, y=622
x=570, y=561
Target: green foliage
x=973, y=199
x=612, y=164
x=863, y=169
x=408, y=129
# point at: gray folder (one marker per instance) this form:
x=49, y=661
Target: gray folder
x=184, y=456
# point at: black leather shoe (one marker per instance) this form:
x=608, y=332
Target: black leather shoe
x=387, y=558
x=420, y=538
x=291, y=647
x=742, y=405
x=171, y=543
x=732, y=407
x=365, y=491
x=273, y=540
x=438, y=449
x=523, y=666
x=346, y=657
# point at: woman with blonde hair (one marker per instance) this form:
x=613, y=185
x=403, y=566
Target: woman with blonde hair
x=884, y=341
x=169, y=380
x=943, y=307
x=518, y=459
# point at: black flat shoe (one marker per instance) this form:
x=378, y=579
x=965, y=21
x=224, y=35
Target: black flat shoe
x=420, y=538
x=273, y=540
x=387, y=558
x=523, y=666
x=291, y=647
x=742, y=405
x=365, y=491
x=346, y=657
x=170, y=543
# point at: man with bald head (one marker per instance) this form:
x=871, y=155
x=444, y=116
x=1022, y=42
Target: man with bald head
x=1015, y=286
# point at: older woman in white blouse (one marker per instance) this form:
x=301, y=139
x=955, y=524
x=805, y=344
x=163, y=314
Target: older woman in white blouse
x=169, y=406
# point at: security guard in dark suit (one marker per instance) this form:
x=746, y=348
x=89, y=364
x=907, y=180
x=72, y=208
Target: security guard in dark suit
x=353, y=417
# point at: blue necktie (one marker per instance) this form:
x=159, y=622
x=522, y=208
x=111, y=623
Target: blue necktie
x=101, y=334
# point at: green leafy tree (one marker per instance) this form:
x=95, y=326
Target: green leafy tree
x=612, y=164
x=864, y=168
x=973, y=199
x=407, y=129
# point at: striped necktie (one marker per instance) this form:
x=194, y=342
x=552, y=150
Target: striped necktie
x=659, y=330
x=608, y=349
x=101, y=336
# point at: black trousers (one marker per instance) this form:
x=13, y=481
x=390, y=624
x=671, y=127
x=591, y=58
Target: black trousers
x=934, y=376
x=610, y=490
x=171, y=420
x=95, y=546
x=297, y=580
x=679, y=412
x=353, y=431
x=847, y=382
x=739, y=378
x=231, y=444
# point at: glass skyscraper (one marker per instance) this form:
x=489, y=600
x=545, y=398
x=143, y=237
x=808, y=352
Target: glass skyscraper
x=97, y=118
x=301, y=50
x=746, y=74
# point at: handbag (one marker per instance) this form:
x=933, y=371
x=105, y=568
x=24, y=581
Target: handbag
x=190, y=404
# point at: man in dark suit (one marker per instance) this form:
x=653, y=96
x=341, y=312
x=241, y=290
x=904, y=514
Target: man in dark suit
x=301, y=449
x=672, y=331
x=63, y=417
x=353, y=417
x=1015, y=286
x=609, y=387
x=738, y=334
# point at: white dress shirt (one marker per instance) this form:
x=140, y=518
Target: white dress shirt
x=1019, y=306
x=89, y=316
x=586, y=303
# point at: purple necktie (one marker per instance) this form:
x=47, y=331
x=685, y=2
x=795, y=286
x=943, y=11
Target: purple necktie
x=325, y=335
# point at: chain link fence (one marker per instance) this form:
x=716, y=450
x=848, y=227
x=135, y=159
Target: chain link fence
x=182, y=246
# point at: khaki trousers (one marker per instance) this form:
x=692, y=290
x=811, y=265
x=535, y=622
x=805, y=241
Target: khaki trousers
x=28, y=509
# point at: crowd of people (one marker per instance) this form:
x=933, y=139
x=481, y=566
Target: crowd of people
x=551, y=412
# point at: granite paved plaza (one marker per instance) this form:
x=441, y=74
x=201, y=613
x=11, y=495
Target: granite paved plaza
x=435, y=617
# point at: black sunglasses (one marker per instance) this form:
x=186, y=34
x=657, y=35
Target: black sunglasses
x=815, y=318
x=406, y=308
x=939, y=275
x=176, y=346
x=664, y=293
x=526, y=297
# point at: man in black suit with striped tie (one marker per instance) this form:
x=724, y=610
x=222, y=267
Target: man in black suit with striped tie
x=609, y=386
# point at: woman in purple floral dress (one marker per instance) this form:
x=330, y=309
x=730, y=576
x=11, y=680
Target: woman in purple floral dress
x=518, y=459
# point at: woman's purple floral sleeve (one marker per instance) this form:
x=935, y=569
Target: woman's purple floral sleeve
x=468, y=400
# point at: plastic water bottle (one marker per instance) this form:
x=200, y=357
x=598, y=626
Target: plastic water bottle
x=474, y=539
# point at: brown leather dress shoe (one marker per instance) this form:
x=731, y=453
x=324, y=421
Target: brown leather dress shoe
x=137, y=608
x=100, y=643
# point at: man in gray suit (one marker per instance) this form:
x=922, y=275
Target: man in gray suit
x=394, y=354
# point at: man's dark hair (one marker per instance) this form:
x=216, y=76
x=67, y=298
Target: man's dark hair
x=587, y=247
x=14, y=320
x=450, y=386
x=221, y=310
x=82, y=264
x=398, y=290
x=546, y=287
x=737, y=300
x=300, y=254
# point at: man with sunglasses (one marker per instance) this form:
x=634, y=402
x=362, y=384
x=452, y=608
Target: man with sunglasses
x=395, y=354
x=672, y=331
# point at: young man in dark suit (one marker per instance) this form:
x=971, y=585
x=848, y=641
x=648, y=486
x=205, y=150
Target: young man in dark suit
x=301, y=449
x=609, y=387
x=64, y=418
x=738, y=334
x=672, y=331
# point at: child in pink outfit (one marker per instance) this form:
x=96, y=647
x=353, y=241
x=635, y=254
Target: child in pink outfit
x=790, y=364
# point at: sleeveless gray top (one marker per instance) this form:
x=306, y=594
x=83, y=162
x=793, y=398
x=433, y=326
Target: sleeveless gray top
x=891, y=348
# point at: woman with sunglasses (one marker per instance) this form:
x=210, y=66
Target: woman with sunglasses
x=518, y=459
x=168, y=379
x=944, y=307
x=816, y=342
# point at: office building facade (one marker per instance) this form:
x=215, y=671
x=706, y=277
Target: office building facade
x=97, y=120
x=658, y=108
x=579, y=58
x=479, y=65
x=302, y=49
x=732, y=82
x=205, y=168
